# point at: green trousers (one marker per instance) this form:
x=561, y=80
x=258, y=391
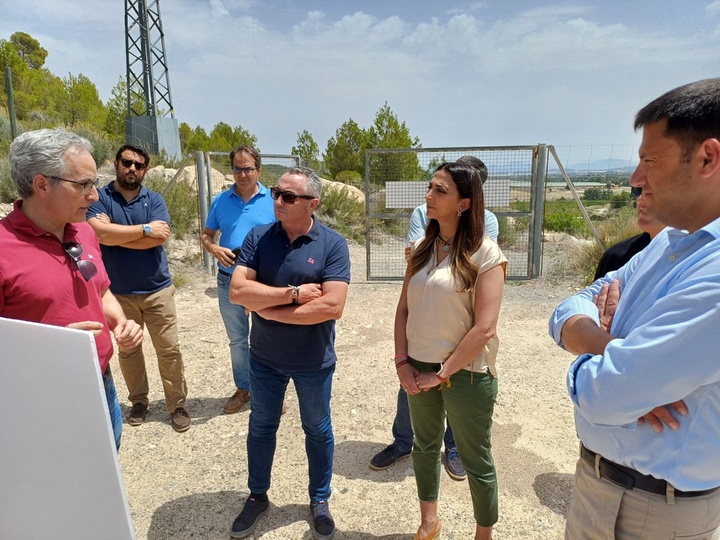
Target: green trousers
x=469, y=404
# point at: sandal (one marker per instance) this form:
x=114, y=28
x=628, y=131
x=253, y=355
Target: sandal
x=434, y=534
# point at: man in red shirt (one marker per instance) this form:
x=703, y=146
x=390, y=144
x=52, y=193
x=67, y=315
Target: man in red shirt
x=51, y=270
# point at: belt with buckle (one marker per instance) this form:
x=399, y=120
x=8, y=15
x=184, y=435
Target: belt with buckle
x=631, y=479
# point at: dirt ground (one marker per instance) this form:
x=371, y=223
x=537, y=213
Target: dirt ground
x=192, y=485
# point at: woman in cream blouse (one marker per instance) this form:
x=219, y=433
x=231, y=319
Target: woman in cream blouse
x=445, y=343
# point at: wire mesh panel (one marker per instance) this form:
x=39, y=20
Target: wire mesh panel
x=396, y=181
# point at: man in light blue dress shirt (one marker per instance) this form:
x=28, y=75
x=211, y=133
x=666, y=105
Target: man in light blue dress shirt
x=646, y=383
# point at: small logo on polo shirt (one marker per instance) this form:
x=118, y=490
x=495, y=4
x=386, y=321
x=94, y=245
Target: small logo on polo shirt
x=90, y=256
x=311, y=260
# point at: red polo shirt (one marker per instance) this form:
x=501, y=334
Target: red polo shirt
x=39, y=282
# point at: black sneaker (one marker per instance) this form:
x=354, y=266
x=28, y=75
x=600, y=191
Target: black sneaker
x=386, y=457
x=323, y=523
x=453, y=465
x=248, y=519
x=137, y=414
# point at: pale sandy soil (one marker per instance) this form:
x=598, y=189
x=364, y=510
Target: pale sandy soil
x=192, y=485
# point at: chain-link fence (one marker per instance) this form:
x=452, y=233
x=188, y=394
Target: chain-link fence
x=396, y=182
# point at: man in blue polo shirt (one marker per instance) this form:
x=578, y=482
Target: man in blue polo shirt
x=232, y=214
x=132, y=224
x=293, y=275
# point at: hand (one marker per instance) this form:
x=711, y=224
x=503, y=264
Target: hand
x=159, y=229
x=607, y=302
x=408, y=250
x=103, y=218
x=91, y=326
x=661, y=414
x=308, y=292
x=225, y=256
x=427, y=380
x=128, y=334
x=407, y=374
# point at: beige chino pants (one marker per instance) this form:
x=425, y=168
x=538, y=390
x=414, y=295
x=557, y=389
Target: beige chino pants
x=601, y=510
x=157, y=312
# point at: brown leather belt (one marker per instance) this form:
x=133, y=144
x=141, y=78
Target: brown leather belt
x=631, y=479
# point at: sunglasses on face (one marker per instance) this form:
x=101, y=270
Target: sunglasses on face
x=244, y=170
x=86, y=185
x=74, y=251
x=288, y=197
x=635, y=192
x=127, y=163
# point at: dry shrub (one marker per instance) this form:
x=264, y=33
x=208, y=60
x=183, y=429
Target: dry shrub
x=622, y=225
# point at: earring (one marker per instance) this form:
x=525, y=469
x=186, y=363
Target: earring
x=459, y=213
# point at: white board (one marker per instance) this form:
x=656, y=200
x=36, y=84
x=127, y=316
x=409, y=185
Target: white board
x=59, y=473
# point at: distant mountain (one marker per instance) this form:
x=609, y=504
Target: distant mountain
x=601, y=165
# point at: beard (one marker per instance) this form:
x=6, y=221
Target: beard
x=130, y=184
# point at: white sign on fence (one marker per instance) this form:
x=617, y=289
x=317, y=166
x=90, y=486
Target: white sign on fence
x=412, y=194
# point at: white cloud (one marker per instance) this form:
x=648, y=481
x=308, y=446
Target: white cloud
x=713, y=8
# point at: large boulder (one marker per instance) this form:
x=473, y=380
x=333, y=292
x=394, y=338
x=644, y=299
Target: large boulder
x=351, y=191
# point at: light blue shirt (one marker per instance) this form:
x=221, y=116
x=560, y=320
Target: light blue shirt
x=667, y=348
x=234, y=217
x=419, y=221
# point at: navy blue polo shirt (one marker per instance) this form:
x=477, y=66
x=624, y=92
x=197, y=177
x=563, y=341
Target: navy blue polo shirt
x=133, y=271
x=318, y=256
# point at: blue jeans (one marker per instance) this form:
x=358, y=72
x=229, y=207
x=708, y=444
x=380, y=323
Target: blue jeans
x=237, y=328
x=113, y=406
x=402, y=430
x=267, y=392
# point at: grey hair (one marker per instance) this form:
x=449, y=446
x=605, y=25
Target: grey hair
x=43, y=152
x=314, y=183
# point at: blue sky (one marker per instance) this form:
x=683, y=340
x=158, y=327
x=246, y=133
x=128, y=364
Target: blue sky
x=498, y=72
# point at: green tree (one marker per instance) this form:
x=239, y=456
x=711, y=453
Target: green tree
x=308, y=151
x=29, y=50
x=116, y=108
x=81, y=103
x=198, y=141
x=388, y=132
x=346, y=150
x=185, y=132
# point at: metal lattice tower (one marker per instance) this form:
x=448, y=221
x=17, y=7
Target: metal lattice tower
x=151, y=116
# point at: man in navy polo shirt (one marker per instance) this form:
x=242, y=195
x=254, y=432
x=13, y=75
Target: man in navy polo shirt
x=232, y=214
x=293, y=275
x=132, y=224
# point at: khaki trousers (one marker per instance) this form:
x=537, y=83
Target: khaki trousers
x=157, y=312
x=601, y=510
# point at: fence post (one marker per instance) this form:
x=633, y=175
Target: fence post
x=537, y=204
x=203, y=196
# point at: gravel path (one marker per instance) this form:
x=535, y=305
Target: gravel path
x=192, y=485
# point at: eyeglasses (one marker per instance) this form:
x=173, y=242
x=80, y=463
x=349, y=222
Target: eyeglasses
x=87, y=185
x=244, y=170
x=87, y=268
x=127, y=163
x=288, y=197
x=635, y=192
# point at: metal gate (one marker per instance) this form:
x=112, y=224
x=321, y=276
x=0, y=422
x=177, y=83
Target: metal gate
x=396, y=181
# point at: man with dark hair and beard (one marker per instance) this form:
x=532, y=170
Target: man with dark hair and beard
x=132, y=224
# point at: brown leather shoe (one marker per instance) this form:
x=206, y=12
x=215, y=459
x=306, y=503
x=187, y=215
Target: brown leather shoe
x=137, y=414
x=236, y=402
x=180, y=420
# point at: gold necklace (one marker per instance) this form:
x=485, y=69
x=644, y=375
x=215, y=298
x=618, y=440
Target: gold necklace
x=446, y=242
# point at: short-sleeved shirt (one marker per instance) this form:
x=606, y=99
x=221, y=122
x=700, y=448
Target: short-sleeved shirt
x=133, y=271
x=234, y=217
x=319, y=256
x=40, y=282
x=439, y=315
